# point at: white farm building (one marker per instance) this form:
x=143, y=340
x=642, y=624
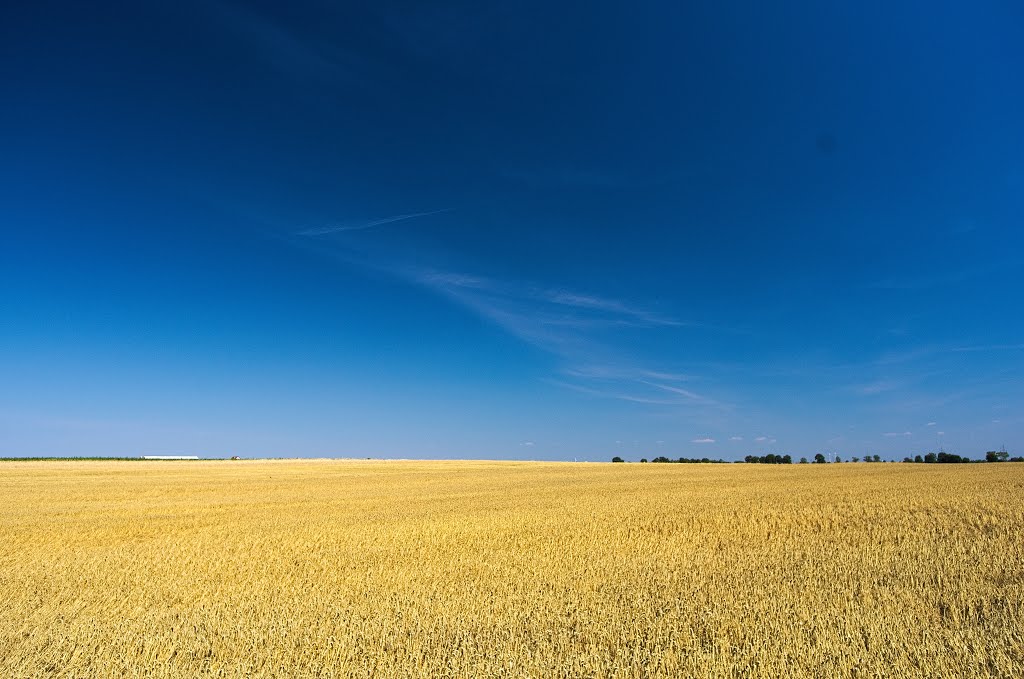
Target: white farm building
x=170, y=457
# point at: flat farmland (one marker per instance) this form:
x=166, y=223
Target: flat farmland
x=345, y=568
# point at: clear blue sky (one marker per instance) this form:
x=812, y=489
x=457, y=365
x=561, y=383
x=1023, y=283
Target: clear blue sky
x=511, y=230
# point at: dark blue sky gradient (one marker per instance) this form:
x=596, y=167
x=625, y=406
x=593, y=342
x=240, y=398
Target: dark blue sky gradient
x=520, y=230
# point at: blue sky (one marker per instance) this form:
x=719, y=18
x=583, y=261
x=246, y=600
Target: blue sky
x=511, y=230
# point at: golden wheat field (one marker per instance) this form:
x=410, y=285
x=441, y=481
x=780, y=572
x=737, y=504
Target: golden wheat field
x=504, y=569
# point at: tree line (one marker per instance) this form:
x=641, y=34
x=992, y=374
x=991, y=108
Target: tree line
x=683, y=460
x=771, y=458
x=947, y=458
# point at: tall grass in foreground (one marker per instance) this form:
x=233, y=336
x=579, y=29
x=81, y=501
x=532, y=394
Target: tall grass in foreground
x=355, y=568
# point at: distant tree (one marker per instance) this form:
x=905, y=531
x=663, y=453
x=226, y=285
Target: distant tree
x=617, y=459
x=930, y=458
x=838, y=459
x=908, y=459
x=643, y=459
x=857, y=459
x=819, y=459
x=803, y=460
x=1017, y=459
x=918, y=458
x=787, y=459
x=876, y=458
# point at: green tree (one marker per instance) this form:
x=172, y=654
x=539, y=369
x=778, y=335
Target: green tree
x=819, y=459
x=617, y=459
x=803, y=460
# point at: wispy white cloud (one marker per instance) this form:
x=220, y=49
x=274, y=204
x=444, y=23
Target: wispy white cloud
x=521, y=308
x=359, y=226
x=735, y=438
x=607, y=306
x=703, y=440
x=878, y=387
x=890, y=358
x=990, y=347
x=686, y=393
x=587, y=333
x=931, y=424
x=555, y=308
x=458, y=280
x=563, y=323
x=894, y=434
x=665, y=376
x=618, y=395
x=930, y=400
x=761, y=438
x=623, y=371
